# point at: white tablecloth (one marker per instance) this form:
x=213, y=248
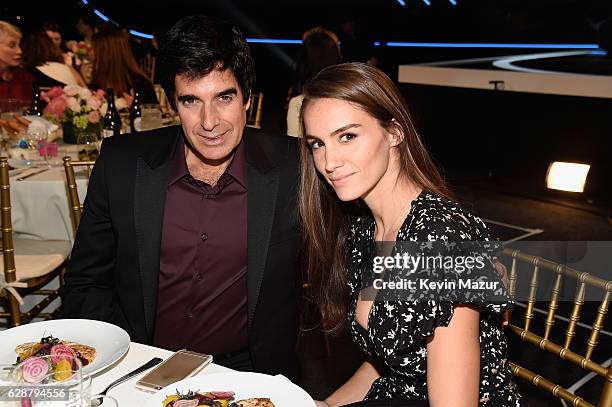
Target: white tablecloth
x=126, y=393
x=39, y=204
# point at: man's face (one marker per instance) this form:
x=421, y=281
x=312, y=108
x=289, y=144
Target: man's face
x=55, y=37
x=212, y=114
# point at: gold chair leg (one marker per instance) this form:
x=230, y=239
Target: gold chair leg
x=605, y=399
x=14, y=310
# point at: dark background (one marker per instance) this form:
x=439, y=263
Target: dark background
x=472, y=133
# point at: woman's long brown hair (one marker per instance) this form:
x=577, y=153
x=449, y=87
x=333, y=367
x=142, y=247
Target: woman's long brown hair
x=114, y=64
x=326, y=219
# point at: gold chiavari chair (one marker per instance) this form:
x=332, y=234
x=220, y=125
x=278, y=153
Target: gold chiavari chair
x=28, y=265
x=76, y=207
x=583, y=279
x=164, y=103
x=148, y=66
x=255, y=109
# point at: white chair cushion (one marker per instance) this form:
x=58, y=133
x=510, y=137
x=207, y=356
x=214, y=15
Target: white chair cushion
x=36, y=258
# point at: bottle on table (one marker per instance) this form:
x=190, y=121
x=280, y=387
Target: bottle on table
x=136, y=114
x=112, y=120
x=36, y=108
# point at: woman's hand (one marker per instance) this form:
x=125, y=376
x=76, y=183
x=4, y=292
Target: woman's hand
x=129, y=97
x=503, y=275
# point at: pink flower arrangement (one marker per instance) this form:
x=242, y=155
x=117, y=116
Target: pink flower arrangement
x=74, y=104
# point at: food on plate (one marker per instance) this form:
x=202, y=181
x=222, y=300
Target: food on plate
x=18, y=124
x=25, y=122
x=214, y=399
x=57, y=348
x=256, y=402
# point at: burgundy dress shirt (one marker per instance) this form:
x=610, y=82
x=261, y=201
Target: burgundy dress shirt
x=202, y=293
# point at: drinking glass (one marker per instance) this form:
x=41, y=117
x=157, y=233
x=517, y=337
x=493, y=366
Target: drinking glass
x=151, y=116
x=51, y=381
x=37, y=140
x=6, y=384
x=125, y=121
x=88, y=145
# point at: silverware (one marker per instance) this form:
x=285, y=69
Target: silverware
x=32, y=174
x=97, y=399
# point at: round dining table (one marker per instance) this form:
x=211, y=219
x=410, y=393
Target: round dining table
x=126, y=393
x=39, y=203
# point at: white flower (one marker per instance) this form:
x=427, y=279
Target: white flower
x=73, y=104
x=71, y=90
x=84, y=93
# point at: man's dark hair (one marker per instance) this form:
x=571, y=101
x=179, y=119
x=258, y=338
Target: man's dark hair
x=197, y=45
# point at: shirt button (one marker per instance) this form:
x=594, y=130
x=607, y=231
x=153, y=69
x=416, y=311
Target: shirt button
x=189, y=315
x=204, y=237
x=198, y=277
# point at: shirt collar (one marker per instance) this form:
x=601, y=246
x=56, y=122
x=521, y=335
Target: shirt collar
x=236, y=168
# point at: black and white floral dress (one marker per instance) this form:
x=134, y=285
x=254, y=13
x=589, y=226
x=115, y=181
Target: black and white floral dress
x=397, y=332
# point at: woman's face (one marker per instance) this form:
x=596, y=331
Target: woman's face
x=349, y=147
x=10, y=51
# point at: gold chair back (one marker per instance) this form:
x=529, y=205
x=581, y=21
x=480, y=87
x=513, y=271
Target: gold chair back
x=76, y=208
x=10, y=288
x=148, y=66
x=255, y=109
x=164, y=103
x=561, y=272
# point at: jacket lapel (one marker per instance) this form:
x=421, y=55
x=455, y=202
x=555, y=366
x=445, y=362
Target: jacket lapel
x=152, y=173
x=262, y=187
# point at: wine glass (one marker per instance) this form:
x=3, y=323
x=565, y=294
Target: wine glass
x=52, y=380
x=6, y=384
x=89, y=146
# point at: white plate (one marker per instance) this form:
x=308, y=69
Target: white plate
x=110, y=341
x=17, y=163
x=246, y=385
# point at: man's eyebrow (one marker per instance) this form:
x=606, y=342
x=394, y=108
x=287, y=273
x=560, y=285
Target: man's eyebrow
x=228, y=91
x=186, y=97
x=224, y=92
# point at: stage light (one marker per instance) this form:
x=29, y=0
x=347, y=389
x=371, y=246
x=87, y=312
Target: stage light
x=569, y=177
x=142, y=35
x=272, y=41
x=102, y=16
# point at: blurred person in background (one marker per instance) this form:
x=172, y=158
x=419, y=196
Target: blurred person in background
x=15, y=82
x=45, y=62
x=86, y=27
x=320, y=48
x=53, y=31
x=114, y=66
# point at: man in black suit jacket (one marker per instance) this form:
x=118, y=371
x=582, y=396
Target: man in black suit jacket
x=189, y=234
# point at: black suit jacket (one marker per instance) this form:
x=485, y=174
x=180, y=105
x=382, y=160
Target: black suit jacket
x=114, y=267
